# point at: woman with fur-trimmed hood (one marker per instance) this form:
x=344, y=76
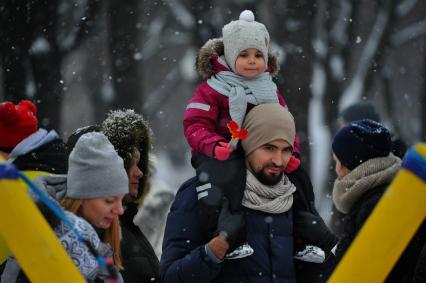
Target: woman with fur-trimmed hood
x=131, y=136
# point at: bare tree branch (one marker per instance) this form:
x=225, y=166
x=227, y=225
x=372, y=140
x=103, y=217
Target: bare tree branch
x=83, y=29
x=157, y=98
x=355, y=89
x=409, y=33
x=319, y=134
x=338, y=32
x=182, y=15
x=405, y=7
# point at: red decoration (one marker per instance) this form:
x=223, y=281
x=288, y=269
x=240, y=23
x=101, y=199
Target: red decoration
x=236, y=134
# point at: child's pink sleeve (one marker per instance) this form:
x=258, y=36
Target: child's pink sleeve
x=199, y=122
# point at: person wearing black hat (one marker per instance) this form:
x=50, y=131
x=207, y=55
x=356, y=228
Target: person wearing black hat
x=358, y=111
x=365, y=166
x=367, y=110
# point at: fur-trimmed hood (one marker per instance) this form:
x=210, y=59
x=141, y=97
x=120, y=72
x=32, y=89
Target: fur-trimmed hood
x=209, y=61
x=126, y=130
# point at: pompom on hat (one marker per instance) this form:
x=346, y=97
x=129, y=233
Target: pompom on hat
x=243, y=34
x=16, y=122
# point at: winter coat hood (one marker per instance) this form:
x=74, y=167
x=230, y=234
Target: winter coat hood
x=37, y=139
x=127, y=130
x=210, y=59
x=55, y=186
x=41, y=151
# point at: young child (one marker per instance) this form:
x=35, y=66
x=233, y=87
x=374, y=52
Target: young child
x=239, y=71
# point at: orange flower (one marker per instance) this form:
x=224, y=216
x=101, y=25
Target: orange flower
x=236, y=134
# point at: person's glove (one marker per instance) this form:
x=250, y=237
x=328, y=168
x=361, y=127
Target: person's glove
x=311, y=229
x=230, y=225
x=222, y=151
x=292, y=164
x=209, y=208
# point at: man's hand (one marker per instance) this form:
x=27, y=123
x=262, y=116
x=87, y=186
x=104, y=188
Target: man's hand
x=219, y=246
x=230, y=225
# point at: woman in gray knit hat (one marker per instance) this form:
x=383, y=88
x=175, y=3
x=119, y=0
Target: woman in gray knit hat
x=130, y=135
x=96, y=186
x=92, y=194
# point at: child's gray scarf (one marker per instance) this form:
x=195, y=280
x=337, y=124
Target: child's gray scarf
x=258, y=90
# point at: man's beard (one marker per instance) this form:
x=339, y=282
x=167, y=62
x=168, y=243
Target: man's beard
x=268, y=179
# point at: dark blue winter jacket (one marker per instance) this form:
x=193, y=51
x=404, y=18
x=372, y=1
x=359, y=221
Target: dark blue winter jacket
x=184, y=258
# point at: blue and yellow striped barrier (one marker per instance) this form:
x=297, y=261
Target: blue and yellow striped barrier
x=390, y=227
x=4, y=251
x=30, y=238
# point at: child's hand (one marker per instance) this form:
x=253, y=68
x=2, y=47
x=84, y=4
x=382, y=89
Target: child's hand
x=293, y=164
x=311, y=229
x=222, y=151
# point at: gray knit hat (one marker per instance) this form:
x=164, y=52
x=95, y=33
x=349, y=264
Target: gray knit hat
x=95, y=169
x=265, y=123
x=243, y=34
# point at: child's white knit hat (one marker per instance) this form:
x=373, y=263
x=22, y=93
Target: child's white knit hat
x=243, y=34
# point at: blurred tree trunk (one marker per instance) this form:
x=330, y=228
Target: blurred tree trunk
x=46, y=71
x=32, y=56
x=125, y=39
x=290, y=24
x=14, y=45
x=206, y=30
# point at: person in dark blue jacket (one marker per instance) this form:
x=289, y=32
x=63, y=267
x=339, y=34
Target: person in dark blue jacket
x=189, y=255
x=365, y=167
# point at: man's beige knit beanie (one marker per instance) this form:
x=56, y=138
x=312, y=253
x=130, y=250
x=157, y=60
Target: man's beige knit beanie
x=265, y=123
